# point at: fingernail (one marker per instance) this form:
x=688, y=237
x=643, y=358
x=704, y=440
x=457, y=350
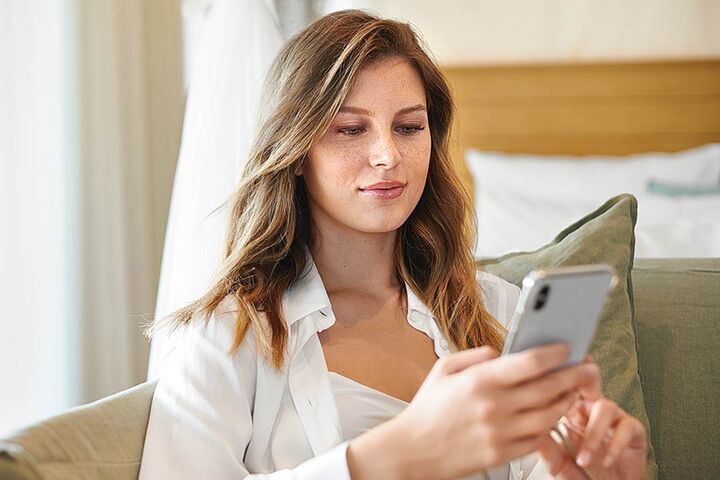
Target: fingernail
x=608, y=461
x=583, y=458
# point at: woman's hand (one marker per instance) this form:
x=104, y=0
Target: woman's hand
x=609, y=443
x=475, y=410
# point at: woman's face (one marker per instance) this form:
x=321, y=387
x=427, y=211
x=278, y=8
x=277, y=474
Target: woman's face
x=380, y=134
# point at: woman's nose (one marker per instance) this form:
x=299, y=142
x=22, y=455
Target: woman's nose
x=383, y=150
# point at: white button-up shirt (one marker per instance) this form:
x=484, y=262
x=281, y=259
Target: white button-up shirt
x=230, y=417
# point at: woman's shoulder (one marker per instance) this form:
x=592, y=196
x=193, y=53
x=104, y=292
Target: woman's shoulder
x=500, y=296
x=216, y=333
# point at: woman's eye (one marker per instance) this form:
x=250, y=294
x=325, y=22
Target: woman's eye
x=355, y=131
x=351, y=131
x=410, y=129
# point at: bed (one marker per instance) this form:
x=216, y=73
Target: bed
x=621, y=116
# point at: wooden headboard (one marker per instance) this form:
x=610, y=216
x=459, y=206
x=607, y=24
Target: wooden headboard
x=611, y=109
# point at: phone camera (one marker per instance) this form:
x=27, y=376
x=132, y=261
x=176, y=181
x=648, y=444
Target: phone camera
x=542, y=297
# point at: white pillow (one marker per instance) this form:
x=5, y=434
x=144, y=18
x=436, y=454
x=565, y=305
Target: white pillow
x=523, y=201
x=674, y=227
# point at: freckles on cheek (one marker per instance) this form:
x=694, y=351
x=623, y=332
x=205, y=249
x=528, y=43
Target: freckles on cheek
x=346, y=179
x=342, y=168
x=418, y=156
x=426, y=146
x=334, y=180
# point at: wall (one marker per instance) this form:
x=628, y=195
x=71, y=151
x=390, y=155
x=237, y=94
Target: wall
x=526, y=31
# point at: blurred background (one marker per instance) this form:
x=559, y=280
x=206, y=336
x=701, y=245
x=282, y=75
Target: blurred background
x=123, y=124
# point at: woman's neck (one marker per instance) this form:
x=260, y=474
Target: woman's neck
x=364, y=264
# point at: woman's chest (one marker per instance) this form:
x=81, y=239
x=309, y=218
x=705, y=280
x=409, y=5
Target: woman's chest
x=382, y=352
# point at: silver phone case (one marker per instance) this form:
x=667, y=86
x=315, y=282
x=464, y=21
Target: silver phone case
x=576, y=298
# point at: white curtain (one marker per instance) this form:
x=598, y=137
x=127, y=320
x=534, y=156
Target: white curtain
x=90, y=113
x=235, y=42
x=131, y=95
x=36, y=282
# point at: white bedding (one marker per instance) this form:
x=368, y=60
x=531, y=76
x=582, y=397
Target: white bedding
x=523, y=201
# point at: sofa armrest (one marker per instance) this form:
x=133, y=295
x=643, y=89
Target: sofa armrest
x=16, y=464
x=103, y=439
x=677, y=317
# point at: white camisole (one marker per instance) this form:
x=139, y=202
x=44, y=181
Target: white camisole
x=361, y=408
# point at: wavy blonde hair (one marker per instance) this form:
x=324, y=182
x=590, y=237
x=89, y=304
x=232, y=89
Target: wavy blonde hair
x=269, y=223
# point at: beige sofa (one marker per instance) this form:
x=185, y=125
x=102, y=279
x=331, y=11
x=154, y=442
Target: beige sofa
x=677, y=312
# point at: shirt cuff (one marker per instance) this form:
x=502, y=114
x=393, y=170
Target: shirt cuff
x=329, y=465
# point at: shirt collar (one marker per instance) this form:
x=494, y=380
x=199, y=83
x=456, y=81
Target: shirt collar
x=308, y=295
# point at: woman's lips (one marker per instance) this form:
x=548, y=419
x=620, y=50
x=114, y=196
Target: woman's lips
x=383, y=193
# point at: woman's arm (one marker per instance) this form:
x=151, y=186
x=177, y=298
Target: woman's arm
x=385, y=452
x=201, y=422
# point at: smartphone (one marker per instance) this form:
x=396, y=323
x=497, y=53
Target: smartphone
x=560, y=304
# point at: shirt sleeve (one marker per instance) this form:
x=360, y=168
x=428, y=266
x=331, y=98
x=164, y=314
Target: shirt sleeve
x=201, y=415
x=500, y=296
x=501, y=300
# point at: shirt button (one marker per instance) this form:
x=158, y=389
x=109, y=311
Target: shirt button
x=444, y=344
x=415, y=317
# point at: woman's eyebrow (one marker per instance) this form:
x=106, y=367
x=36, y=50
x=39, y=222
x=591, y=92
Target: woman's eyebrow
x=368, y=113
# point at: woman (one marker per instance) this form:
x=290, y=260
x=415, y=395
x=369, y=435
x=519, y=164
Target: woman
x=348, y=333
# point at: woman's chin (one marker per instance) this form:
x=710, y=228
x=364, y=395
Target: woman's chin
x=383, y=225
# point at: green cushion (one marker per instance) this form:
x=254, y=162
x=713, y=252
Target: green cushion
x=603, y=236
x=101, y=440
x=677, y=310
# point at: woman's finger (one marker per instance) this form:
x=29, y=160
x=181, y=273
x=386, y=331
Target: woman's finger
x=574, y=437
x=592, y=390
x=519, y=367
x=539, y=420
x=559, y=462
x=465, y=358
x=577, y=416
x=603, y=415
x=542, y=390
x=628, y=430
